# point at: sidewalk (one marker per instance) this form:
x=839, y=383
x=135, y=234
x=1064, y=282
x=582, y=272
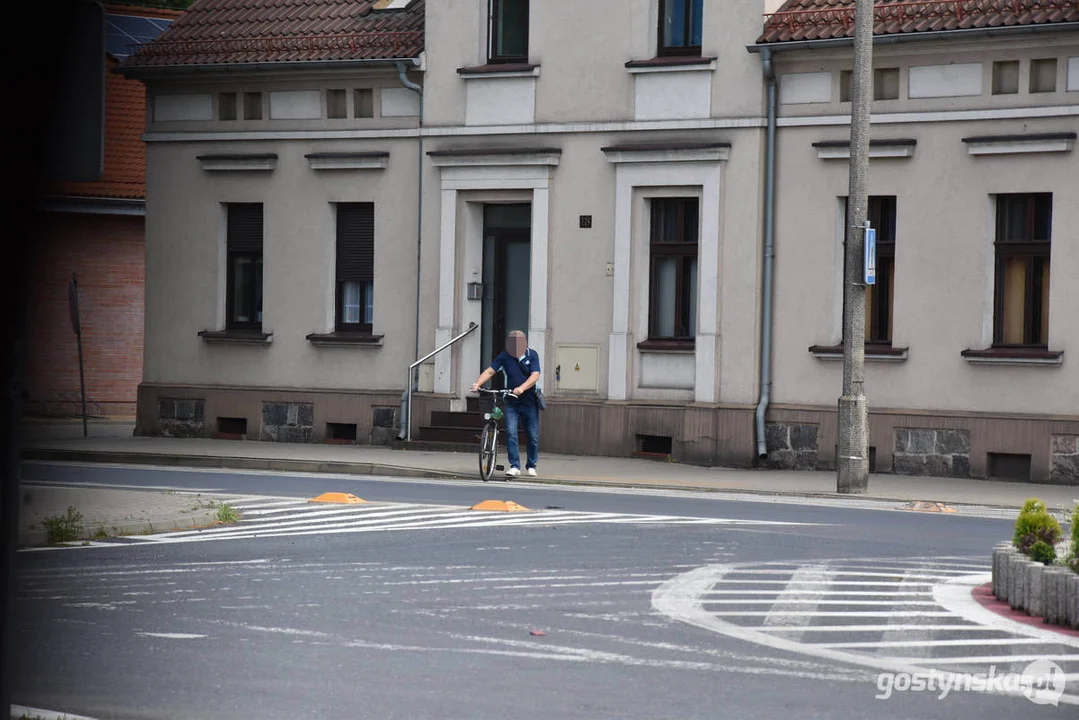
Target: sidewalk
x=111, y=512
x=111, y=445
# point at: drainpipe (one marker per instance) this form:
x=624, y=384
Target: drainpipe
x=769, y=252
x=402, y=70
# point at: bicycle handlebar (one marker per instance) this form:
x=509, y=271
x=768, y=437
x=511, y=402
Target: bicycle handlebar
x=503, y=393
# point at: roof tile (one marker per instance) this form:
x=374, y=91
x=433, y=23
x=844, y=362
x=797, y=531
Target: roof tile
x=800, y=20
x=245, y=31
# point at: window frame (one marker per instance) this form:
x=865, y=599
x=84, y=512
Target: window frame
x=233, y=255
x=882, y=293
x=340, y=279
x=683, y=251
x=1036, y=252
x=664, y=50
x=877, y=312
x=493, y=34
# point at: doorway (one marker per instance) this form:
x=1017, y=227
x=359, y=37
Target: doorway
x=507, y=230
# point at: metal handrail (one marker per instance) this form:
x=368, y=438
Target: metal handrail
x=408, y=433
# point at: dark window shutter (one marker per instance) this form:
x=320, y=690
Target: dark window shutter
x=355, y=242
x=245, y=227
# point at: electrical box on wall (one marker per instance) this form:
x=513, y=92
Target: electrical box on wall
x=576, y=367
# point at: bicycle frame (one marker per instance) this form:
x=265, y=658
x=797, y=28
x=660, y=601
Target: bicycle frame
x=489, y=437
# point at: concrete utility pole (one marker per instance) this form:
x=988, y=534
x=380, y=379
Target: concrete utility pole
x=852, y=462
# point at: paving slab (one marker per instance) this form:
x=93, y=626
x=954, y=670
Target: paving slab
x=115, y=512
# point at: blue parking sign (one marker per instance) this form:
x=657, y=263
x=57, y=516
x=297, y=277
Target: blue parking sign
x=870, y=256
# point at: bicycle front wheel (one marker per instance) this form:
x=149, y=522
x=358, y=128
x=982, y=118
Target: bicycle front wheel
x=488, y=449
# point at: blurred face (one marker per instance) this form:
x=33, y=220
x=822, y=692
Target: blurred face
x=516, y=343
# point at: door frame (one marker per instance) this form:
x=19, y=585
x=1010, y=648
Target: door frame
x=485, y=172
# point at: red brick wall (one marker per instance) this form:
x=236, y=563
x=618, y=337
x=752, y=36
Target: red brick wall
x=107, y=253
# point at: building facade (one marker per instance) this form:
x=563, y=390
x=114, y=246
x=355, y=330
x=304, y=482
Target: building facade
x=94, y=231
x=315, y=225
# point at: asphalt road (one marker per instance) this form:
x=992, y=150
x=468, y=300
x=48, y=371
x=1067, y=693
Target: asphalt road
x=416, y=610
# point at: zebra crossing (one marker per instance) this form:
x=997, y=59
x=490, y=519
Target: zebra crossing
x=267, y=516
x=902, y=615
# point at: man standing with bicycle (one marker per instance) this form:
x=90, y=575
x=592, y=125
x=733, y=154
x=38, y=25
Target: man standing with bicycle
x=521, y=365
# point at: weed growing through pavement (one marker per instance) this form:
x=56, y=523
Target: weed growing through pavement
x=227, y=514
x=64, y=528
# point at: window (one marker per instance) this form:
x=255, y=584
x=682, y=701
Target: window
x=252, y=106
x=886, y=84
x=1021, y=313
x=244, y=283
x=1006, y=77
x=672, y=295
x=355, y=266
x=365, y=103
x=226, y=106
x=508, y=33
x=880, y=296
x=679, y=27
x=336, y=104
x=1043, y=75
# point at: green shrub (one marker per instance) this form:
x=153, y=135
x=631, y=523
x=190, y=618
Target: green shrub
x=1035, y=524
x=1043, y=552
x=64, y=528
x=1074, y=560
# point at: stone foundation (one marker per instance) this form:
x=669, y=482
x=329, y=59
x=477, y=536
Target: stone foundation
x=932, y=451
x=181, y=417
x=384, y=424
x=287, y=422
x=1064, y=460
x=791, y=447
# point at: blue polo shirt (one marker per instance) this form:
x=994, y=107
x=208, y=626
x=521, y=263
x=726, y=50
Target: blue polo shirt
x=517, y=371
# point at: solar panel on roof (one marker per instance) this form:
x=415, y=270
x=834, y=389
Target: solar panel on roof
x=123, y=31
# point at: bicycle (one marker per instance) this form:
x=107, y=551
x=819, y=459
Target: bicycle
x=489, y=437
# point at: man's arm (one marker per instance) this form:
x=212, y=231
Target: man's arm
x=483, y=378
x=532, y=380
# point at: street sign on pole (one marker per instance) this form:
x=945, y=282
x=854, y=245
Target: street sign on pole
x=870, y=256
x=73, y=310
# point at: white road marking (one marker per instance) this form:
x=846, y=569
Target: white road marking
x=173, y=636
x=934, y=643
x=683, y=598
x=18, y=711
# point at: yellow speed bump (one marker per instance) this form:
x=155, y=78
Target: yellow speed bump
x=925, y=506
x=499, y=506
x=338, y=497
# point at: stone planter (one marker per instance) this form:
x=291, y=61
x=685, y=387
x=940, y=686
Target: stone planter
x=1071, y=595
x=1054, y=584
x=1050, y=592
x=1017, y=564
x=1000, y=570
x=1034, y=597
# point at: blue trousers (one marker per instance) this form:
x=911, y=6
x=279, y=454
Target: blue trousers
x=522, y=410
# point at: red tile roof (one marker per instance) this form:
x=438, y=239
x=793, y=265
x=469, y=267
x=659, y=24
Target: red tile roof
x=828, y=19
x=125, y=154
x=259, y=31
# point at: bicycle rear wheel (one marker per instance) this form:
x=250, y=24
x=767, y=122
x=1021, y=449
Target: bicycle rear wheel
x=488, y=450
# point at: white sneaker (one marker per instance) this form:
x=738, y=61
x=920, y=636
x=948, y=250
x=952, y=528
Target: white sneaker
x=513, y=472
x=531, y=472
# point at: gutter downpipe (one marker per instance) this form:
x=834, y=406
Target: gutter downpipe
x=406, y=396
x=769, y=253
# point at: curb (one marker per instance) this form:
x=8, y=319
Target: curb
x=370, y=468
x=238, y=463
x=162, y=523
